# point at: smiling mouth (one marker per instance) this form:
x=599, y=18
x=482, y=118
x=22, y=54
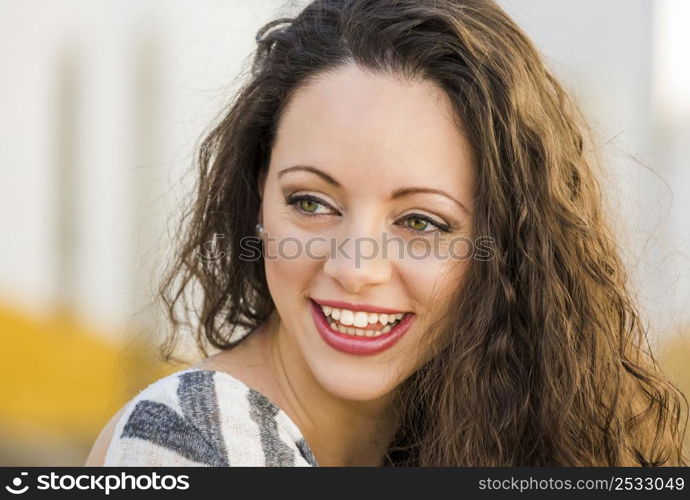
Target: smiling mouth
x=360, y=323
x=361, y=337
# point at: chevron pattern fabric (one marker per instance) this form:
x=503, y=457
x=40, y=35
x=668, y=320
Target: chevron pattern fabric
x=199, y=417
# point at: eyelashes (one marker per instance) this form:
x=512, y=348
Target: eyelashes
x=295, y=201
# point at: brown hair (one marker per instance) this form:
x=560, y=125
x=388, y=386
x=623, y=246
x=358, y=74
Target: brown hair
x=541, y=359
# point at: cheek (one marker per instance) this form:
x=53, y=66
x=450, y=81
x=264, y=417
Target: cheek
x=430, y=284
x=430, y=281
x=290, y=264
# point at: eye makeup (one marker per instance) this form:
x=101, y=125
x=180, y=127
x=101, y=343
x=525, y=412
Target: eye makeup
x=296, y=202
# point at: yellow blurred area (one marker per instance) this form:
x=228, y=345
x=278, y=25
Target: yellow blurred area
x=62, y=380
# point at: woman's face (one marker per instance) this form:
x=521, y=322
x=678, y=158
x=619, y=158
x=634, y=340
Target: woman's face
x=371, y=145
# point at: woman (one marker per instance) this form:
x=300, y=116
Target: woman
x=498, y=331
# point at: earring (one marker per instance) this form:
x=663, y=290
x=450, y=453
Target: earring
x=259, y=229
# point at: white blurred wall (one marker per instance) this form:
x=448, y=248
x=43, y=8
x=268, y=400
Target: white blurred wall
x=102, y=105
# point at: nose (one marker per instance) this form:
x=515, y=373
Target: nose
x=357, y=260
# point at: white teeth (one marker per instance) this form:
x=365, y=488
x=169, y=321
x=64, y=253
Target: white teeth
x=359, y=332
x=347, y=317
x=361, y=319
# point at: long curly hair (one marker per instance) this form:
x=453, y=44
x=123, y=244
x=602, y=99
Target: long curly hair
x=542, y=358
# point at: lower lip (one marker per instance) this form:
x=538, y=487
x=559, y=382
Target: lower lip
x=354, y=344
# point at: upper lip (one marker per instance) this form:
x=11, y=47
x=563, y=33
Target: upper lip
x=357, y=307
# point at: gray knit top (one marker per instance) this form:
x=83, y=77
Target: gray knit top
x=200, y=417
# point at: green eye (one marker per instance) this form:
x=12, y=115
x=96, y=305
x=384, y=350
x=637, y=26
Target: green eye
x=308, y=205
x=417, y=223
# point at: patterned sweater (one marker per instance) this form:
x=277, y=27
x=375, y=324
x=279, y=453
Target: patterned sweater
x=199, y=417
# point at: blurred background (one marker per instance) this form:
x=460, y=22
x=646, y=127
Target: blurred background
x=102, y=105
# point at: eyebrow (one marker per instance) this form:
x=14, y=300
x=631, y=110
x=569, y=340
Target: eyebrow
x=398, y=193
x=411, y=190
x=313, y=170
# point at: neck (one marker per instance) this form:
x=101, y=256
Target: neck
x=339, y=432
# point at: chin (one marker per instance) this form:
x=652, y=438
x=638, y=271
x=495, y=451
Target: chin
x=354, y=384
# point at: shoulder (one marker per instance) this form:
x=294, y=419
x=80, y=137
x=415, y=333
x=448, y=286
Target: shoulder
x=195, y=417
x=176, y=420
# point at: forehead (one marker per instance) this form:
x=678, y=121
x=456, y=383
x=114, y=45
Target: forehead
x=354, y=123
